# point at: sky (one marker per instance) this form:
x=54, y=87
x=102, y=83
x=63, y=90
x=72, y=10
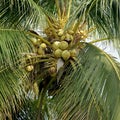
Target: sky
x=110, y=50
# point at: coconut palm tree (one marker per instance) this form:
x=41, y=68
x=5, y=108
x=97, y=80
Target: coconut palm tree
x=51, y=67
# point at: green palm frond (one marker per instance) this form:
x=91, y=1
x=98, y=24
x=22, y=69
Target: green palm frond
x=21, y=13
x=103, y=14
x=12, y=92
x=28, y=111
x=103, y=11
x=48, y=5
x=107, y=17
x=90, y=91
x=12, y=74
x=14, y=45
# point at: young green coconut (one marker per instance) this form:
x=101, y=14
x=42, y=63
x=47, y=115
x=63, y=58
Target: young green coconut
x=58, y=53
x=29, y=68
x=34, y=41
x=63, y=45
x=40, y=51
x=43, y=45
x=65, y=55
x=60, y=32
x=55, y=45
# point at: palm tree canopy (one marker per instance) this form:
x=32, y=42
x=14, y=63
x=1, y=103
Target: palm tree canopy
x=86, y=85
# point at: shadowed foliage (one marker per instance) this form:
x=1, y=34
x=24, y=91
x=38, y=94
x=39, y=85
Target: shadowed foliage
x=50, y=65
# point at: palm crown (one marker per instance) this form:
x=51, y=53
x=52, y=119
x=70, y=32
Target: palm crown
x=50, y=65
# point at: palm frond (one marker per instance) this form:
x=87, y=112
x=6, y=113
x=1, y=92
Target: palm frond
x=27, y=111
x=13, y=45
x=21, y=13
x=48, y=5
x=102, y=14
x=92, y=90
x=107, y=17
x=12, y=94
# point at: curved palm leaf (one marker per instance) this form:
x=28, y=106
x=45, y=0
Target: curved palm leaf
x=13, y=46
x=21, y=13
x=12, y=92
x=28, y=111
x=91, y=91
x=48, y=5
x=102, y=14
x=12, y=73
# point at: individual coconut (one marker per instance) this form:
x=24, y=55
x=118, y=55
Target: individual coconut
x=55, y=45
x=52, y=71
x=43, y=45
x=62, y=37
x=63, y=45
x=28, y=56
x=65, y=55
x=40, y=51
x=60, y=32
x=73, y=53
x=71, y=32
x=58, y=53
x=29, y=68
x=34, y=41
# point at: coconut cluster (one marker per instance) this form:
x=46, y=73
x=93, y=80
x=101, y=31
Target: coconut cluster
x=58, y=49
x=60, y=43
x=62, y=50
x=40, y=48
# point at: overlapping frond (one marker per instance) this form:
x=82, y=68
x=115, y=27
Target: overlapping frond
x=28, y=111
x=12, y=92
x=48, y=5
x=102, y=14
x=19, y=13
x=14, y=45
x=90, y=91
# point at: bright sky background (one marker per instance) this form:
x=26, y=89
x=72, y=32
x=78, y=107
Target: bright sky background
x=110, y=50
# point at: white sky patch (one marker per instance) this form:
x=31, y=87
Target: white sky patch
x=109, y=49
